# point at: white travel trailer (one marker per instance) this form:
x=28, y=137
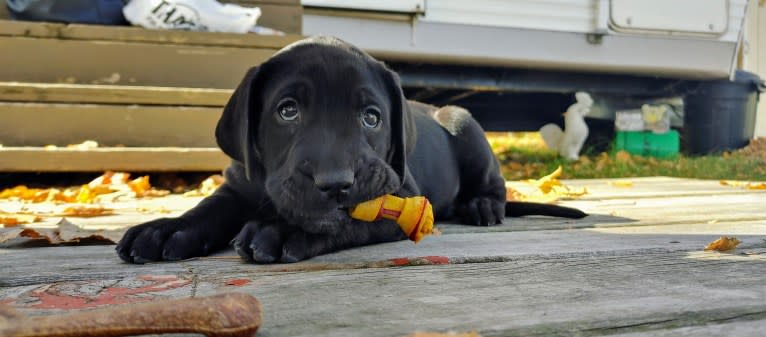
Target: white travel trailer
x=508, y=59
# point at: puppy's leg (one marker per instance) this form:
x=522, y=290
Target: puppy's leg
x=481, y=200
x=202, y=230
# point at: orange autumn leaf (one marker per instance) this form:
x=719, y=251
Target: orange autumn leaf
x=621, y=183
x=140, y=185
x=109, y=182
x=546, y=183
x=87, y=211
x=13, y=220
x=734, y=183
x=723, y=244
x=744, y=184
x=547, y=189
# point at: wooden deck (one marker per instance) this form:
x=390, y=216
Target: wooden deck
x=636, y=267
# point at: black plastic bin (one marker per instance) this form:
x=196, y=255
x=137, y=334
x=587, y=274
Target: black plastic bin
x=720, y=115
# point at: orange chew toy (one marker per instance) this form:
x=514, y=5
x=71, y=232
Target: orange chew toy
x=414, y=215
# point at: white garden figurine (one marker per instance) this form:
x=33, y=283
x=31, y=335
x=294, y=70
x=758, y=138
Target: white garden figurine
x=569, y=142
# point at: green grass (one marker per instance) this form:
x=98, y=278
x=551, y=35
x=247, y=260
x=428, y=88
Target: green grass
x=534, y=162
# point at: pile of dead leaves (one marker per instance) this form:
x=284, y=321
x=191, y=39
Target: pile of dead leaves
x=755, y=149
x=109, y=186
x=547, y=189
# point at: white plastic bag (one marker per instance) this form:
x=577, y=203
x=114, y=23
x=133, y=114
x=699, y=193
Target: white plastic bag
x=198, y=15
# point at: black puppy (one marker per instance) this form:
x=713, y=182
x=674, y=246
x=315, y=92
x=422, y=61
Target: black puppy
x=319, y=128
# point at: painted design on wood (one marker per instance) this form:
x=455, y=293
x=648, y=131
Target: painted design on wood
x=91, y=294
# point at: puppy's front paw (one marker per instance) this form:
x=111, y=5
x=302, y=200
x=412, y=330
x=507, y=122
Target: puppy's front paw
x=482, y=211
x=162, y=239
x=269, y=243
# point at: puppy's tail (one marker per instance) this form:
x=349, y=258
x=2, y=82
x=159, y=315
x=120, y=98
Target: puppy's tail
x=518, y=208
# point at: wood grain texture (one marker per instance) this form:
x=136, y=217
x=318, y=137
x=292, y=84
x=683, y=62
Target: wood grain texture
x=115, y=62
x=137, y=34
x=136, y=159
x=642, y=277
x=35, y=124
x=111, y=94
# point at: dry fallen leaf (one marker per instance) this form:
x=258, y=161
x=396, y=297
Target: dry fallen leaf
x=744, y=184
x=734, y=183
x=723, y=244
x=207, y=187
x=140, y=185
x=621, y=183
x=548, y=189
x=110, y=183
x=15, y=219
x=66, y=232
x=87, y=211
x=150, y=210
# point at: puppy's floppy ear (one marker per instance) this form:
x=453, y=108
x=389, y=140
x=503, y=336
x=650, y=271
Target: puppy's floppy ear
x=403, y=133
x=237, y=127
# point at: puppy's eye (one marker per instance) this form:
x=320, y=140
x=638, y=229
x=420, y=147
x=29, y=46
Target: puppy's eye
x=371, y=117
x=288, y=109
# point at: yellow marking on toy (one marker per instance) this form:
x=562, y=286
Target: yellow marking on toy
x=414, y=215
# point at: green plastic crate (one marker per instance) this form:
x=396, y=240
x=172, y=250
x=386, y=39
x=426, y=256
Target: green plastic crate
x=647, y=143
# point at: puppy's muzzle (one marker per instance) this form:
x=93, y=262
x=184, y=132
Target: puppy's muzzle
x=334, y=185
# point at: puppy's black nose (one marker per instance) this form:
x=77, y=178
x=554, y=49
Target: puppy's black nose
x=334, y=185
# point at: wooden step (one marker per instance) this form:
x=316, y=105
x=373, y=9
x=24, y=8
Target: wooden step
x=40, y=124
x=111, y=94
x=89, y=54
x=132, y=159
x=49, y=30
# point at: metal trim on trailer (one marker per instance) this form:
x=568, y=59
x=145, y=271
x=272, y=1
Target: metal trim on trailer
x=430, y=42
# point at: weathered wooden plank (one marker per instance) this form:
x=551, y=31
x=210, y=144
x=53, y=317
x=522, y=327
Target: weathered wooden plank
x=111, y=94
x=452, y=249
x=35, y=159
x=717, y=211
x=647, y=187
x=137, y=34
x=29, y=29
x=109, y=125
x=565, y=296
x=738, y=329
x=129, y=211
x=586, y=294
x=109, y=62
x=717, y=208
x=4, y=13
